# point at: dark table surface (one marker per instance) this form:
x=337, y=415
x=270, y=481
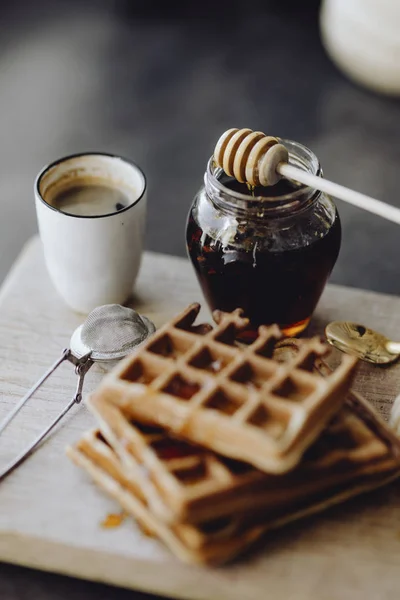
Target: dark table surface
x=159, y=82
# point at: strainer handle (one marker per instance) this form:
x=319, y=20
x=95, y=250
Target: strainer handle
x=81, y=369
x=65, y=356
x=25, y=453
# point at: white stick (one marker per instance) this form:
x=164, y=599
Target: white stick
x=377, y=207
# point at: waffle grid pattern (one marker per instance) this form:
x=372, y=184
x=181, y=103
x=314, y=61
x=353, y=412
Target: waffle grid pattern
x=189, y=483
x=216, y=544
x=208, y=507
x=239, y=402
x=218, y=540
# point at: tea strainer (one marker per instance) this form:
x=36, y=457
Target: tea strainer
x=109, y=333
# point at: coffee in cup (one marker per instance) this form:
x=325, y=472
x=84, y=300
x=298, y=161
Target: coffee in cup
x=91, y=214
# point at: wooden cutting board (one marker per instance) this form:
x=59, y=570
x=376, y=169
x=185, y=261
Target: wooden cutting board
x=50, y=513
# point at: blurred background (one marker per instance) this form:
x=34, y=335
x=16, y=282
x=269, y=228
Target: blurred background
x=158, y=82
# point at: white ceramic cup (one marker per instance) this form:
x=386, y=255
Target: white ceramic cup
x=92, y=260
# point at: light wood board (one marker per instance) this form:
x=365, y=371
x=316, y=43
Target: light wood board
x=50, y=513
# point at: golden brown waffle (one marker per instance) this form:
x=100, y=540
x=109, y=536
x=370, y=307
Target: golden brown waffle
x=167, y=484
x=219, y=540
x=238, y=401
x=215, y=543
x=184, y=482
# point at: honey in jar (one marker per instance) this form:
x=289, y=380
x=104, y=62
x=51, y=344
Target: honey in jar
x=266, y=250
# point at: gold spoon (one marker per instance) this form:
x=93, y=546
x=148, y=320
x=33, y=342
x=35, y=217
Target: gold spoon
x=360, y=341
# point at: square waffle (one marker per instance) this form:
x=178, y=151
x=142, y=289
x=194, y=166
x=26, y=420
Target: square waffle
x=215, y=542
x=362, y=462
x=197, y=383
x=182, y=482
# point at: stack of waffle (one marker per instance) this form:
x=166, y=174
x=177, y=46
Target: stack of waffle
x=209, y=443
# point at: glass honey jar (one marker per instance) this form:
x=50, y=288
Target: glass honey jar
x=267, y=250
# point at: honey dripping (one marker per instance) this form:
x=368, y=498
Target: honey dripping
x=113, y=520
x=251, y=188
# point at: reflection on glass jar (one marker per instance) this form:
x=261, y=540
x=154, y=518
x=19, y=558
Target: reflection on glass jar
x=269, y=251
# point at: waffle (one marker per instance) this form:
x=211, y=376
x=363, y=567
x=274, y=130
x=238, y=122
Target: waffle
x=237, y=401
x=181, y=482
x=190, y=544
x=220, y=540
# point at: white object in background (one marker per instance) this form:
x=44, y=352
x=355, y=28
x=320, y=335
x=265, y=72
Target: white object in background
x=92, y=260
x=362, y=37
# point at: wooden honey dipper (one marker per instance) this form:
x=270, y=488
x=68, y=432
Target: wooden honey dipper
x=255, y=158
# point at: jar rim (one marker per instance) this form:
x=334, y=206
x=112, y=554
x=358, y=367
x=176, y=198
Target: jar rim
x=299, y=156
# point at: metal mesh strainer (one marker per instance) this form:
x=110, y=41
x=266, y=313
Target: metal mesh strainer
x=109, y=333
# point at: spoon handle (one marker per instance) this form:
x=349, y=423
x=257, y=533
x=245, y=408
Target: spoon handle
x=393, y=347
